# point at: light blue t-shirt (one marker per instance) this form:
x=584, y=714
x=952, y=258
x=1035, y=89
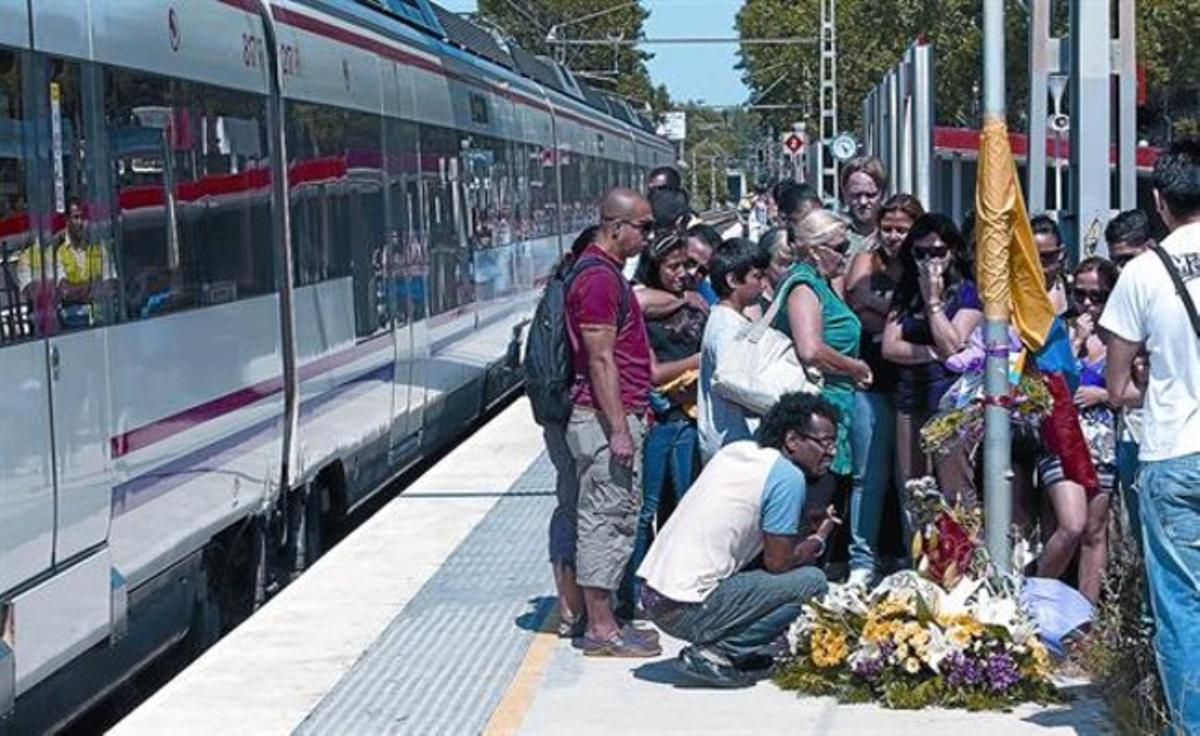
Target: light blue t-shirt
x=720, y=421
x=783, y=498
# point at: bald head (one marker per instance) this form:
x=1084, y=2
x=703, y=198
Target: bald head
x=625, y=222
x=623, y=204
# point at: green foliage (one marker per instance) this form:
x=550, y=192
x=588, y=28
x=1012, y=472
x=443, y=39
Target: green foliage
x=620, y=69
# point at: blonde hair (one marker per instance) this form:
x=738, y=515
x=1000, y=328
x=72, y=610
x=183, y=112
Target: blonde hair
x=820, y=227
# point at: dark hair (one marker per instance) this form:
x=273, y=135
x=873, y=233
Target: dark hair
x=1131, y=226
x=794, y=411
x=792, y=198
x=670, y=207
x=1105, y=269
x=653, y=256
x=908, y=298
x=1177, y=177
x=905, y=204
x=1044, y=225
x=735, y=257
x=705, y=232
x=674, y=181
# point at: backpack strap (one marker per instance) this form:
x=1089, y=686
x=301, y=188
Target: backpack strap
x=1180, y=287
x=626, y=291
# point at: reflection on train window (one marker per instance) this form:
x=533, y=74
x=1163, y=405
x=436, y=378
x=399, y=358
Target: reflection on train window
x=337, y=207
x=193, y=189
x=17, y=242
x=409, y=258
x=451, y=282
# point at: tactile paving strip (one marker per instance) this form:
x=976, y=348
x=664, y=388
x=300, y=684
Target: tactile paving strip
x=443, y=664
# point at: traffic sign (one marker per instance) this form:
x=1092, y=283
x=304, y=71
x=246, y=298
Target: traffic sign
x=793, y=142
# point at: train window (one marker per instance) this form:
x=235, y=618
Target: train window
x=19, y=256
x=193, y=193
x=451, y=283
x=337, y=206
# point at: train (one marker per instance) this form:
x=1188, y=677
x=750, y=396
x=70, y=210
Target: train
x=257, y=258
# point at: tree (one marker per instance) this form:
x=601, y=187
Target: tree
x=872, y=37
x=617, y=68
x=1166, y=31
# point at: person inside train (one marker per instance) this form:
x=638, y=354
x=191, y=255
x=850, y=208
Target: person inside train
x=664, y=177
x=702, y=585
x=669, y=458
x=863, y=185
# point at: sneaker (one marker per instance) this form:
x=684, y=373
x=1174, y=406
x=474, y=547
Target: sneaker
x=862, y=577
x=619, y=645
x=710, y=668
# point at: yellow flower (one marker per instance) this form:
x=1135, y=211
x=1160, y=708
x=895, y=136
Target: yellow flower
x=828, y=646
x=879, y=631
x=1040, y=665
x=895, y=604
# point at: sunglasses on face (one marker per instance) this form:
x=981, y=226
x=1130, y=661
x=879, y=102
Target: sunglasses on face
x=1092, y=296
x=645, y=227
x=936, y=251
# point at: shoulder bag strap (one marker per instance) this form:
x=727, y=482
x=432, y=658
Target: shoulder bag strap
x=1180, y=287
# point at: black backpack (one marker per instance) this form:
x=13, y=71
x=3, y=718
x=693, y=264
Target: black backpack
x=549, y=372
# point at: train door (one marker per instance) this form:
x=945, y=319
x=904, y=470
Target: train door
x=26, y=455
x=405, y=284
x=79, y=266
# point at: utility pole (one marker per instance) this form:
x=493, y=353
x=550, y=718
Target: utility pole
x=997, y=432
x=827, y=169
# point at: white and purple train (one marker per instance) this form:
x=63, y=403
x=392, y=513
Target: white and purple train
x=197, y=383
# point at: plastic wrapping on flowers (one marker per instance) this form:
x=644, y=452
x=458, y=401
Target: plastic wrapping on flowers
x=949, y=634
x=959, y=419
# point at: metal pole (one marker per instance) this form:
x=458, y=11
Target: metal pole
x=997, y=442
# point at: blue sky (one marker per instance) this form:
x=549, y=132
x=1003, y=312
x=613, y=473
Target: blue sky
x=697, y=72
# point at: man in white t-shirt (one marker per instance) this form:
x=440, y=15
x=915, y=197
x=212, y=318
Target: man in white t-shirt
x=700, y=586
x=1146, y=311
x=736, y=272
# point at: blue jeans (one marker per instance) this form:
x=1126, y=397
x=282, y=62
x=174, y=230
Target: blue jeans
x=745, y=612
x=1169, y=491
x=668, y=461
x=873, y=451
x=1127, y=469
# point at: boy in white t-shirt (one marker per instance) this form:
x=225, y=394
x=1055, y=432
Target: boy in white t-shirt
x=700, y=586
x=1147, y=311
x=736, y=272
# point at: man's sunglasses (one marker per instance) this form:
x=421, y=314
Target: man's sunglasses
x=646, y=226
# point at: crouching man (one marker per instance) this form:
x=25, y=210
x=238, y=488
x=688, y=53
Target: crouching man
x=700, y=585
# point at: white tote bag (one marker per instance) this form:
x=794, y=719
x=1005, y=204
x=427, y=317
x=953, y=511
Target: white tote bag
x=760, y=365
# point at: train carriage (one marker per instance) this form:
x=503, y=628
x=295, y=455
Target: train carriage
x=186, y=417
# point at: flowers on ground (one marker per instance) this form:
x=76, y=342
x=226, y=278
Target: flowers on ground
x=946, y=634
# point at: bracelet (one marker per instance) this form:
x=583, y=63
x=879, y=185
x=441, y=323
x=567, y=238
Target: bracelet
x=935, y=306
x=820, y=542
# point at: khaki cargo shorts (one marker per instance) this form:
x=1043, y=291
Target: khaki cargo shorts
x=610, y=497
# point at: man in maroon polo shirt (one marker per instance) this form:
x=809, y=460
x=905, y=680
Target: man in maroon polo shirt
x=612, y=361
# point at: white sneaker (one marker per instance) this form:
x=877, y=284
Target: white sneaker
x=862, y=577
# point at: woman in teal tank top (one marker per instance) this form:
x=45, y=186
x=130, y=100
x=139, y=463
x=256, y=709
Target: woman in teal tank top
x=823, y=328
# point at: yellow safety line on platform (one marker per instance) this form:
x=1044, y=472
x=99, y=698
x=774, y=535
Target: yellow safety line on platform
x=511, y=709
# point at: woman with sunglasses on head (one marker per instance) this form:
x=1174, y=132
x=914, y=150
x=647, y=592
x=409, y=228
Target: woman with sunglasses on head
x=670, y=452
x=824, y=330
x=870, y=284
x=934, y=312
x=1079, y=521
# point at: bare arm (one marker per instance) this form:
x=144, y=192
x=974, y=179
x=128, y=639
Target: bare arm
x=808, y=337
x=657, y=303
x=951, y=335
x=1123, y=390
x=661, y=373
x=783, y=552
x=901, y=351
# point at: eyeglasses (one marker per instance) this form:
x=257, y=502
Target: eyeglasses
x=645, y=226
x=825, y=443
x=1093, y=296
x=1051, y=258
x=936, y=251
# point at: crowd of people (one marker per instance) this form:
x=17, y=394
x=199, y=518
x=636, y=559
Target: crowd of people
x=678, y=506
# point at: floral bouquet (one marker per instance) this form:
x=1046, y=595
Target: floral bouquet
x=950, y=633
x=960, y=412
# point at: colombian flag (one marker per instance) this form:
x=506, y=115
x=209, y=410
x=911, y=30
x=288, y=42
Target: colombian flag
x=1011, y=281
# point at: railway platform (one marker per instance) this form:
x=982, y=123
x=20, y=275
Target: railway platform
x=435, y=616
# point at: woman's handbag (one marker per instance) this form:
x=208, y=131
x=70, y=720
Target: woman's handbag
x=760, y=364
